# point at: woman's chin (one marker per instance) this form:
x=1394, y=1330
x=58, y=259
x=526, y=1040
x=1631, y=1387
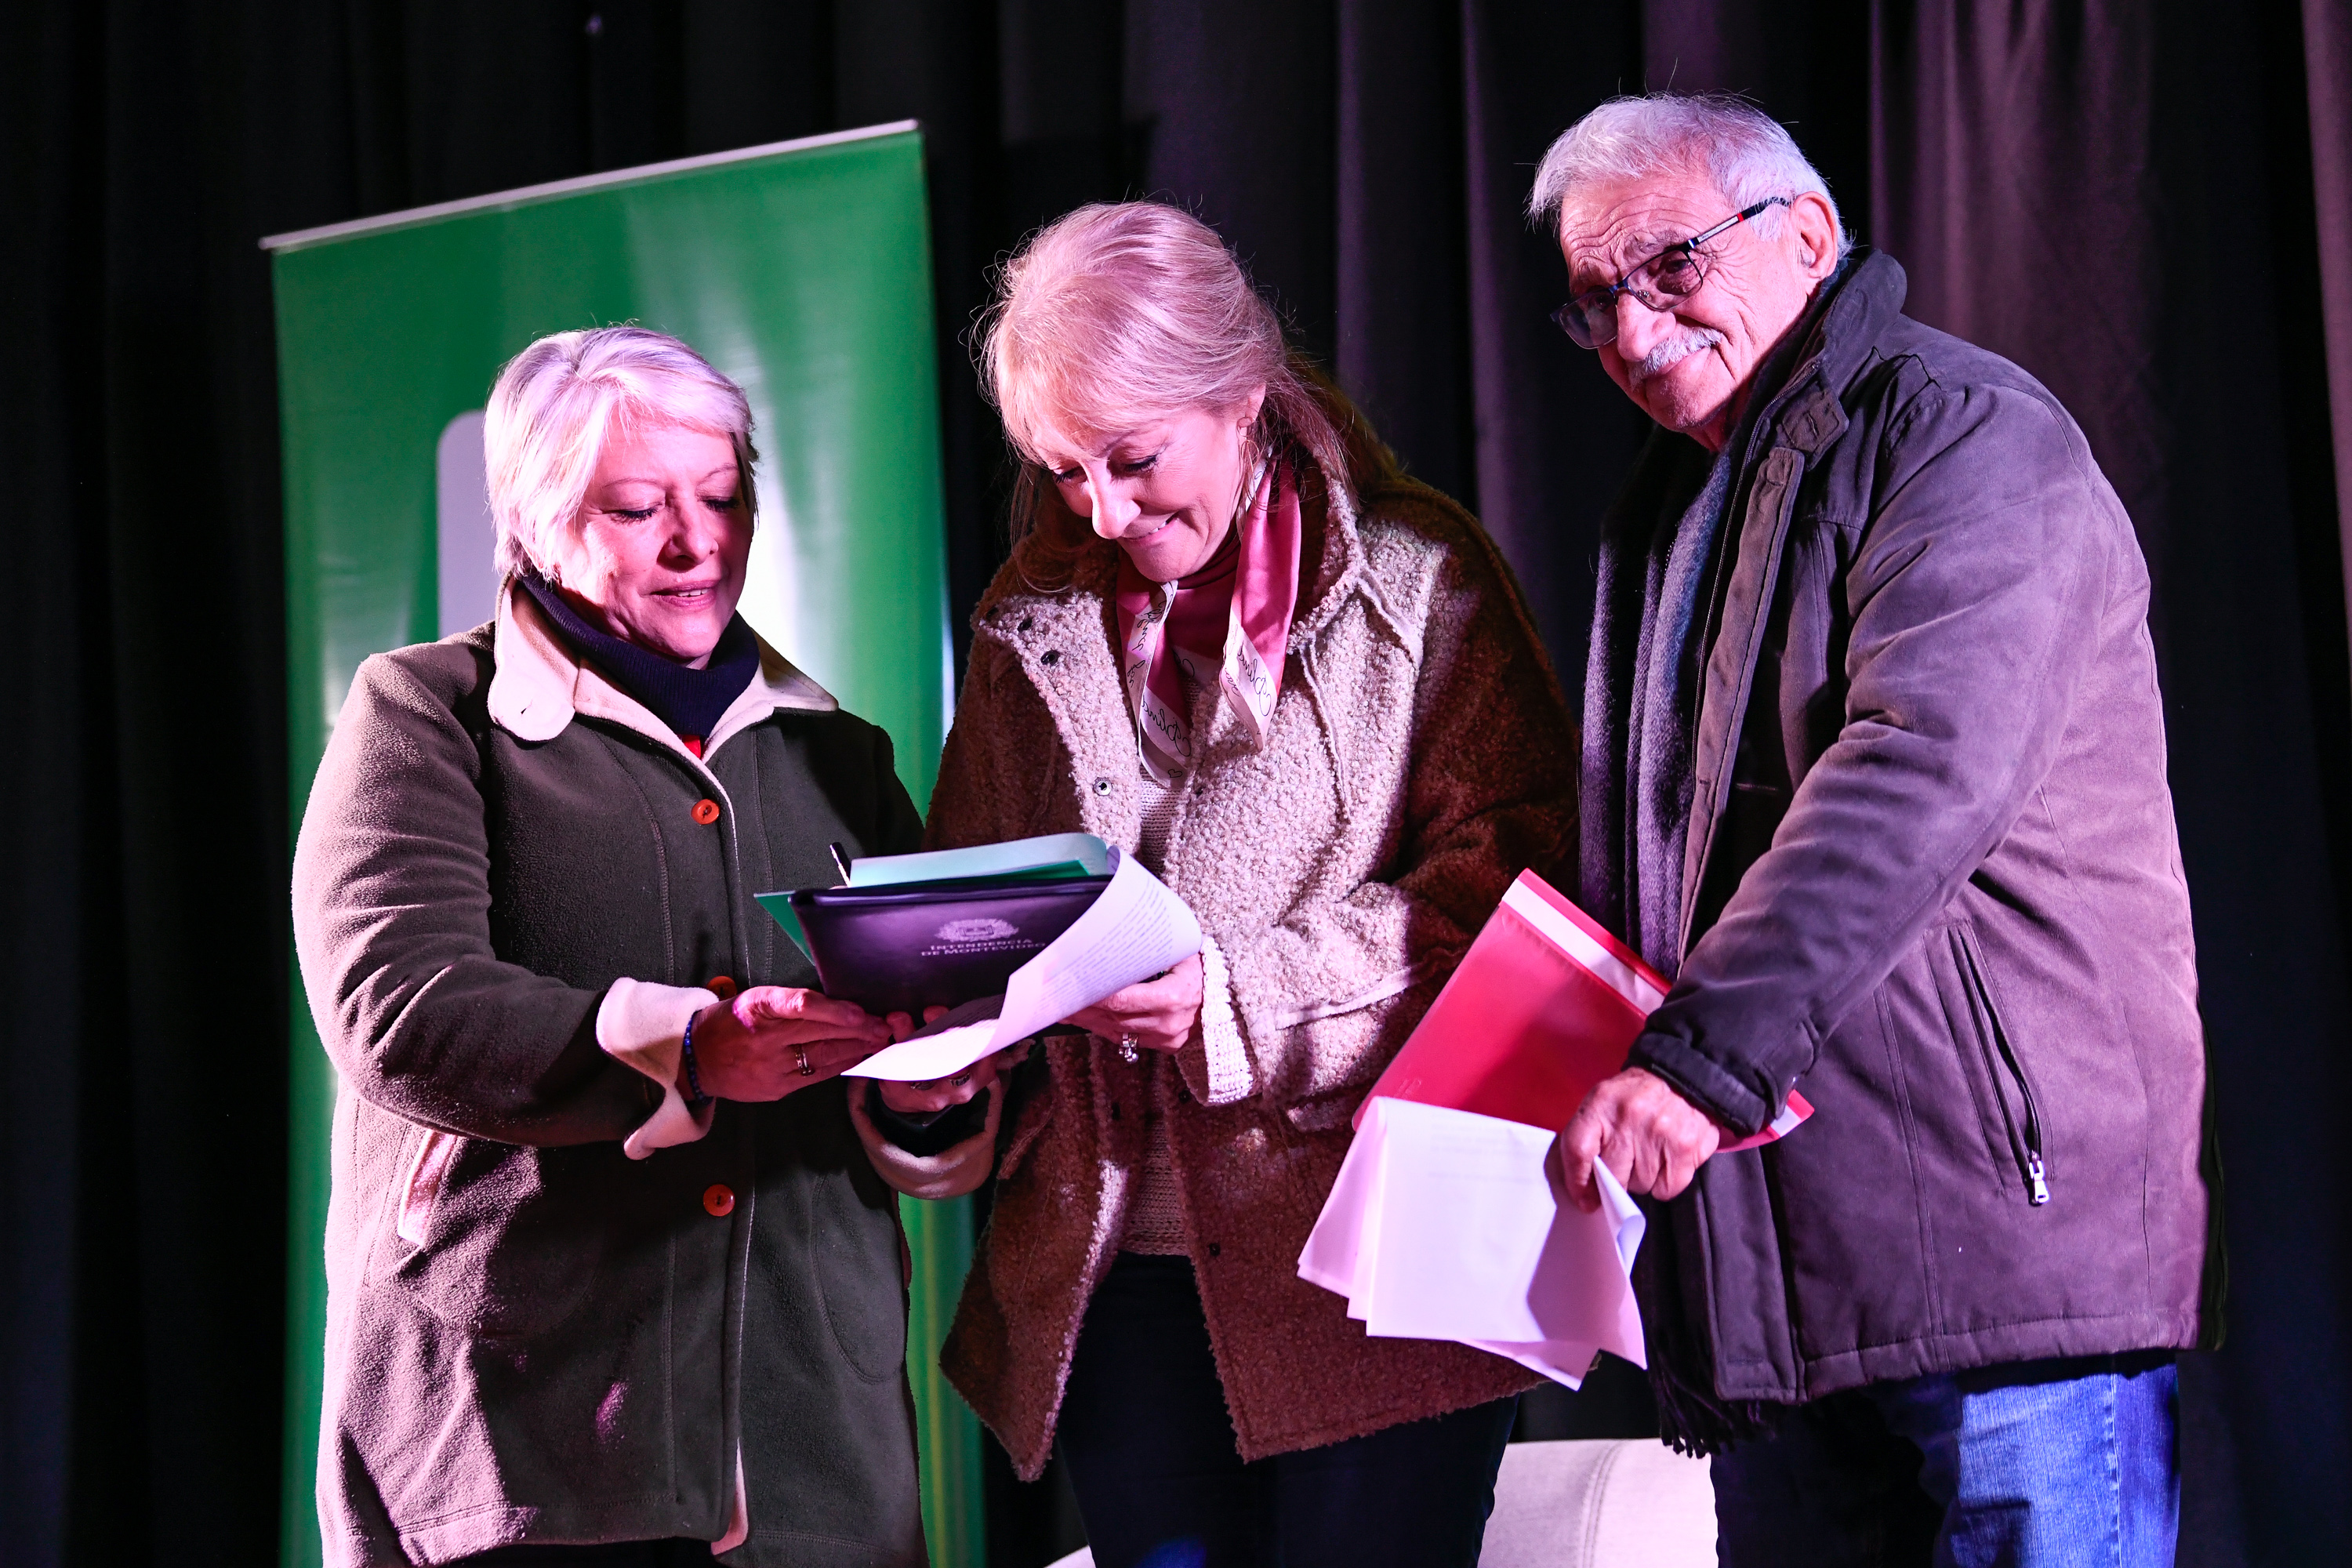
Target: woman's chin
x=681, y=638
x=1170, y=554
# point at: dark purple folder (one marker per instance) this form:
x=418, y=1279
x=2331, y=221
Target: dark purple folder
x=903, y=948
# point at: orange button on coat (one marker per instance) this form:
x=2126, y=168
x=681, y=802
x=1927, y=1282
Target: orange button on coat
x=705, y=812
x=719, y=1199
x=720, y=986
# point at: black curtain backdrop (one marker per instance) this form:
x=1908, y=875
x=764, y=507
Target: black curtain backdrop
x=2121, y=194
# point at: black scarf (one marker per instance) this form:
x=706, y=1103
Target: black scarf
x=1660, y=574
x=690, y=700
x=1641, y=692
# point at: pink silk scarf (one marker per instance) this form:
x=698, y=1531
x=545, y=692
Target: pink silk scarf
x=1228, y=625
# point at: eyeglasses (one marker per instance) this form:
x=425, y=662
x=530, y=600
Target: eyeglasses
x=1673, y=275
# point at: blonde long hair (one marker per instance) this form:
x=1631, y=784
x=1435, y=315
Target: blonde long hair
x=1116, y=315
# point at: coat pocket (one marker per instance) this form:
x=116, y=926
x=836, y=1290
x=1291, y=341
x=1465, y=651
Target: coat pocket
x=1029, y=1101
x=855, y=1244
x=498, y=1240
x=1036, y=1115
x=2006, y=1106
x=420, y=1189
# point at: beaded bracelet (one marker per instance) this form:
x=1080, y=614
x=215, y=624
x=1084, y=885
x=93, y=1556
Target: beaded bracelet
x=693, y=1080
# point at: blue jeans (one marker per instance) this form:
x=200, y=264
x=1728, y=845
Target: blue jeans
x=2054, y=1464
x=1151, y=1451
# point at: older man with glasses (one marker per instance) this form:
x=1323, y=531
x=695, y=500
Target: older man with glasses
x=1874, y=770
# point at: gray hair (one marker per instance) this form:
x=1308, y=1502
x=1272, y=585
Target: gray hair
x=554, y=404
x=1747, y=154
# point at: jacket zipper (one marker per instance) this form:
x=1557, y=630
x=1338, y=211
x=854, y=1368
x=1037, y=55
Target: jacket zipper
x=2037, y=1180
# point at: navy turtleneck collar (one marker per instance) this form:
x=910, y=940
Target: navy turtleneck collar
x=690, y=700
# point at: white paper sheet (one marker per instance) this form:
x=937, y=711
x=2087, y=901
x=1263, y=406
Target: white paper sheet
x=1444, y=1225
x=1134, y=929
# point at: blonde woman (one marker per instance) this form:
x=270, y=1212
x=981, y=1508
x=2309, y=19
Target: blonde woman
x=609, y=1279
x=1236, y=641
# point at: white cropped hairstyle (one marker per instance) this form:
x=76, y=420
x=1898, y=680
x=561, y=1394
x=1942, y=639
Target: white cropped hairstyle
x=1746, y=153
x=554, y=404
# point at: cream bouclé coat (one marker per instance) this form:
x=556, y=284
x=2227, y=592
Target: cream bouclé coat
x=1418, y=758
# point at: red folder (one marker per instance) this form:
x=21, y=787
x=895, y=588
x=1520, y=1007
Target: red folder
x=1544, y=1005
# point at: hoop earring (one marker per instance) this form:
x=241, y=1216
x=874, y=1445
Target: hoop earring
x=1253, y=464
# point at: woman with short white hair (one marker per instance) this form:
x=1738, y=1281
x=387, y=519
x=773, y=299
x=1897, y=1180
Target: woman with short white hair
x=1236, y=641
x=610, y=1279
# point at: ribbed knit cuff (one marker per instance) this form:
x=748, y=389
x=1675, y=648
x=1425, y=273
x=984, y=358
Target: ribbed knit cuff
x=1217, y=1070
x=1701, y=1082
x=928, y=1134
x=643, y=1024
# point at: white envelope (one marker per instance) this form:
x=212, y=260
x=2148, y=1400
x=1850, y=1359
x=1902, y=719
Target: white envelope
x=1443, y=1225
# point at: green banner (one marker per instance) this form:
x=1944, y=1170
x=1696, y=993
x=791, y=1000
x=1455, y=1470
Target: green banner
x=803, y=271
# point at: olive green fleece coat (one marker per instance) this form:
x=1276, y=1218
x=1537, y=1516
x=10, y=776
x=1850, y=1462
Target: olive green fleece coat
x=561, y=1306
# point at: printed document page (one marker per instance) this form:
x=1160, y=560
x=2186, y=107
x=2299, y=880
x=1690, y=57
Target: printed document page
x=1135, y=930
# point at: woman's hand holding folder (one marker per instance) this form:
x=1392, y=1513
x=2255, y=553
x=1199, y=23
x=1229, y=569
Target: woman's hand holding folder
x=935, y=1095
x=946, y=1093
x=770, y=1041
x=1158, y=1014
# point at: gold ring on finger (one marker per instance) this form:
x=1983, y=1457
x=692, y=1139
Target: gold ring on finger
x=807, y=1070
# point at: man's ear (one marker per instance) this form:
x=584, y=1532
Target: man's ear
x=1816, y=226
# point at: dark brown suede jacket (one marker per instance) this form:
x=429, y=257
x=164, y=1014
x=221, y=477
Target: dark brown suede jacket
x=1932, y=877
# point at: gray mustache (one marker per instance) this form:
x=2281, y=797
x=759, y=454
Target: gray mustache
x=1672, y=352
